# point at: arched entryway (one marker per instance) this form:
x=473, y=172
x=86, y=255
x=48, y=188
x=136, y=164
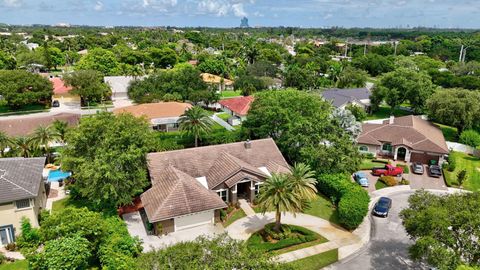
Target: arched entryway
x=401, y=153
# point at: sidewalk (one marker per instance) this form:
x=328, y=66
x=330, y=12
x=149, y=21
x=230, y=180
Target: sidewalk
x=222, y=123
x=246, y=207
x=54, y=186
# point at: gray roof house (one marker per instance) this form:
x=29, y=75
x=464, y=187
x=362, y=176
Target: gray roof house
x=119, y=85
x=343, y=97
x=22, y=194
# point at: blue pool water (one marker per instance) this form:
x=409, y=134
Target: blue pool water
x=57, y=175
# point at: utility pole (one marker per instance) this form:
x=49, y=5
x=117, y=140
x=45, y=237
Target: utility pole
x=395, y=51
x=346, y=48
x=365, y=49
x=464, y=54
x=461, y=55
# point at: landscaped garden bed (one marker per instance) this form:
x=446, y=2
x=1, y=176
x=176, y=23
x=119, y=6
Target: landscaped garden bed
x=291, y=238
x=232, y=216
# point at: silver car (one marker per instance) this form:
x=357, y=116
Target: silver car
x=417, y=168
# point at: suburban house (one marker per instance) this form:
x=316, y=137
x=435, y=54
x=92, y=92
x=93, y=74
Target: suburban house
x=220, y=82
x=190, y=186
x=62, y=93
x=340, y=98
x=22, y=194
x=163, y=116
x=25, y=126
x=119, y=85
x=408, y=138
x=238, y=107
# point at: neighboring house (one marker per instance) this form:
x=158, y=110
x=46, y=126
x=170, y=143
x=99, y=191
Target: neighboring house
x=63, y=94
x=22, y=194
x=25, y=126
x=119, y=85
x=340, y=98
x=163, y=116
x=238, y=107
x=407, y=138
x=222, y=83
x=190, y=186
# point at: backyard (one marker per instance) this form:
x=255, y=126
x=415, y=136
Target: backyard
x=450, y=133
x=384, y=112
x=230, y=93
x=471, y=164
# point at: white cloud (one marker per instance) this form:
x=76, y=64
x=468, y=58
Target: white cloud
x=224, y=7
x=98, y=6
x=13, y=3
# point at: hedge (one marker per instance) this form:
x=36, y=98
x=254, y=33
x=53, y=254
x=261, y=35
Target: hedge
x=351, y=199
x=388, y=180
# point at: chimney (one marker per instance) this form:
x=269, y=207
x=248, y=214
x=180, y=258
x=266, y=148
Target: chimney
x=391, y=120
x=248, y=144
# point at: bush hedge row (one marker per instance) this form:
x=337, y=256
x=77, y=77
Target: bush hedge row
x=351, y=200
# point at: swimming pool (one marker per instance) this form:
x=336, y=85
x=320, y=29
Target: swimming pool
x=57, y=175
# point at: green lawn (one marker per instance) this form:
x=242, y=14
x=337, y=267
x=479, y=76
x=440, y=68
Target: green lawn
x=368, y=164
x=236, y=215
x=323, y=208
x=315, y=262
x=66, y=202
x=224, y=116
x=471, y=164
x=379, y=185
x=229, y=94
x=17, y=265
x=384, y=112
x=450, y=133
x=33, y=108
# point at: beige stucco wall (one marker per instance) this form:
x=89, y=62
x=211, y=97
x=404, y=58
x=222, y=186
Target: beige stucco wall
x=10, y=215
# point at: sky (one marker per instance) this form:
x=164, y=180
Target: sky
x=227, y=13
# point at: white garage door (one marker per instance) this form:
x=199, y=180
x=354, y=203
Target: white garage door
x=190, y=221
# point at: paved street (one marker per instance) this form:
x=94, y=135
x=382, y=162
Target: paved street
x=388, y=248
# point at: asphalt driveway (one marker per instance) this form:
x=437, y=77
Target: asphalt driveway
x=388, y=246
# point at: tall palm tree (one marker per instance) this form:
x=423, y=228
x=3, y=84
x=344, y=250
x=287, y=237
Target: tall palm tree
x=195, y=121
x=60, y=128
x=24, y=146
x=5, y=142
x=42, y=136
x=287, y=192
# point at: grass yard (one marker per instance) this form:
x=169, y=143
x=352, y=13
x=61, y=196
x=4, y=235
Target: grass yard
x=17, y=265
x=33, y=108
x=68, y=202
x=384, y=112
x=315, y=262
x=234, y=216
x=450, y=133
x=224, y=116
x=323, y=208
x=230, y=93
x=469, y=163
x=379, y=185
x=299, y=238
x=368, y=164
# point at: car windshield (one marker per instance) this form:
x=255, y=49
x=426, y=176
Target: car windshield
x=418, y=166
x=382, y=203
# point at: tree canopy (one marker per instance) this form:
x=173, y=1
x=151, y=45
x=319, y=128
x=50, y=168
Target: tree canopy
x=19, y=88
x=101, y=60
x=89, y=85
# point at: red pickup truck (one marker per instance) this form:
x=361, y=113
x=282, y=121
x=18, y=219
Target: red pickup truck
x=388, y=170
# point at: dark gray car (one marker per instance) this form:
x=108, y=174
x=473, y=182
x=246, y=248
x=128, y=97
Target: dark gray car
x=417, y=168
x=435, y=171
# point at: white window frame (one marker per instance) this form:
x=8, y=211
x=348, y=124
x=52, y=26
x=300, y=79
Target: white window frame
x=219, y=193
x=22, y=201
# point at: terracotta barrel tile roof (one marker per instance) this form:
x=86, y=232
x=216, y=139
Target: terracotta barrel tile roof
x=59, y=86
x=156, y=110
x=238, y=105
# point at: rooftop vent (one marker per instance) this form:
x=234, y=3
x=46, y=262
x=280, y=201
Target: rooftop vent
x=248, y=144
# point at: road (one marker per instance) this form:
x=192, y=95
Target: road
x=388, y=246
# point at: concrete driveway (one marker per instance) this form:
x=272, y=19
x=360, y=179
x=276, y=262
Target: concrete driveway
x=425, y=181
x=388, y=246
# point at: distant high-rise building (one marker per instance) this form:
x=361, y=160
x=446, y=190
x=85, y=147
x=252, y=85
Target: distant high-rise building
x=244, y=23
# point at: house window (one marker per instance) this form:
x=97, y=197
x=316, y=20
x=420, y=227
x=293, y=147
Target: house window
x=6, y=235
x=223, y=194
x=257, y=188
x=20, y=204
x=363, y=148
x=387, y=147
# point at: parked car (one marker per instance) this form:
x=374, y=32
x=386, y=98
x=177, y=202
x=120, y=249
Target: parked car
x=382, y=207
x=361, y=179
x=55, y=103
x=388, y=170
x=417, y=168
x=435, y=171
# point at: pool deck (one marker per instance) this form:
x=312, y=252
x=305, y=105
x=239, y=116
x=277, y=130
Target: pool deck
x=60, y=192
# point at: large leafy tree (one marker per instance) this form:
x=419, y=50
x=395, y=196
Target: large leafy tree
x=302, y=126
x=101, y=60
x=455, y=107
x=351, y=77
x=374, y=64
x=7, y=61
x=287, y=192
x=163, y=58
x=404, y=85
x=195, y=121
x=88, y=84
x=19, y=88
x=106, y=154
x=445, y=229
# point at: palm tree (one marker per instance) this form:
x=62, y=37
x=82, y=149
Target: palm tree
x=287, y=192
x=195, y=121
x=42, y=136
x=5, y=142
x=61, y=128
x=24, y=146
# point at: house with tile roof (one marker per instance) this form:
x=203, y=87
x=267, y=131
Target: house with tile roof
x=190, y=186
x=22, y=194
x=62, y=93
x=238, y=107
x=25, y=126
x=340, y=98
x=163, y=116
x=408, y=138
x=222, y=83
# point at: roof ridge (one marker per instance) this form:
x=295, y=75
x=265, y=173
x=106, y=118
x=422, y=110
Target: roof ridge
x=15, y=184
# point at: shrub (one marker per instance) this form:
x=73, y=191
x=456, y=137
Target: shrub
x=452, y=163
x=3, y=258
x=461, y=177
x=223, y=215
x=368, y=155
x=470, y=137
x=404, y=182
x=388, y=180
x=405, y=168
x=11, y=247
x=352, y=208
x=30, y=236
